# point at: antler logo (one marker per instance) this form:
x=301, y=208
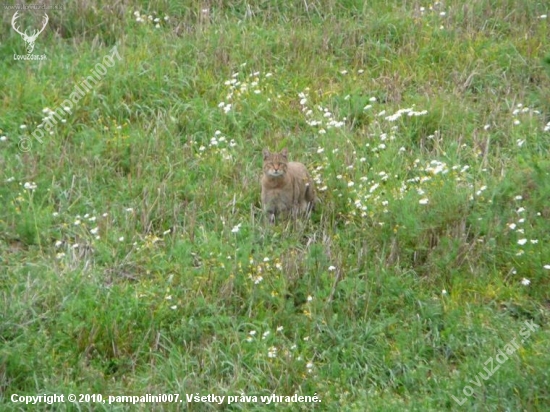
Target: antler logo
x=29, y=39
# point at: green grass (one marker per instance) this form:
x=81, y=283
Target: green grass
x=141, y=262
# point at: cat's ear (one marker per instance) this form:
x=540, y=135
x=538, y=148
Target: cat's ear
x=266, y=153
x=284, y=153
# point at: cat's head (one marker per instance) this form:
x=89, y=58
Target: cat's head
x=275, y=164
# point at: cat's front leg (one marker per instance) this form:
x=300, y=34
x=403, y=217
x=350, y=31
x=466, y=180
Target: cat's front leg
x=271, y=211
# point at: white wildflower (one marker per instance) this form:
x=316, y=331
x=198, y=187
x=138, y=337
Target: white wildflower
x=272, y=352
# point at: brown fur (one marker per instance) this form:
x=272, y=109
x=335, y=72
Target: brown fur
x=286, y=186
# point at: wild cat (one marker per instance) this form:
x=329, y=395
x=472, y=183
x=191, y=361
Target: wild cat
x=287, y=187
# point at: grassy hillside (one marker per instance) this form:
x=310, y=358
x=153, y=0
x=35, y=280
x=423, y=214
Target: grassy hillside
x=134, y=257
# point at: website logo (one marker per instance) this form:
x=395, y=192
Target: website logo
x=29, y=39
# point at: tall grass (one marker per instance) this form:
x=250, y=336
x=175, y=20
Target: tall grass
x=134, y=257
